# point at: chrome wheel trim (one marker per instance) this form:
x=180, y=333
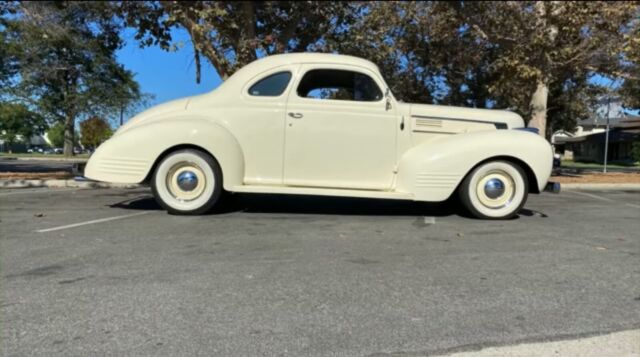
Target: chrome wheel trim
x=496, y=189
x=185, y=193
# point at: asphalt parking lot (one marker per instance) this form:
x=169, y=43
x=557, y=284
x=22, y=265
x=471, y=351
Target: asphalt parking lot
x=105, y=271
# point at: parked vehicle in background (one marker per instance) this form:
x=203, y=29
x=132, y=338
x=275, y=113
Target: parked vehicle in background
x=58, y=150
x=35, y=149
x=324, y=124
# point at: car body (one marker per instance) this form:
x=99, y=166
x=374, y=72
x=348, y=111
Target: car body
x=320, y=124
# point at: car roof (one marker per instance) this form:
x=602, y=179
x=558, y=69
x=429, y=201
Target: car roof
x=310, y=57
x=256, y=68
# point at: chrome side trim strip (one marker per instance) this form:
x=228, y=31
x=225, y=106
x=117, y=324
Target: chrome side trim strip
x=498, y=125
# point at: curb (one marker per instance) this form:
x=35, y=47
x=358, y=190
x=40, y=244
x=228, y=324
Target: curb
x=602, y=186
x=59, y=159
x=62, y=183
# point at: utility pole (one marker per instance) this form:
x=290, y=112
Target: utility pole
x=606, y=136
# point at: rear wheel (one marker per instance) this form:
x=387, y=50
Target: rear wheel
x=187, y=182
x=494, y=190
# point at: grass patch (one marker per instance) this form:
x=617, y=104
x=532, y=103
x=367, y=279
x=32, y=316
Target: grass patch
x=593, y=165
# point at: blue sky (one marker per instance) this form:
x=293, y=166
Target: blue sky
x=167, y=75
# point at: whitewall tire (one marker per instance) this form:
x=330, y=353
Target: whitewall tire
x=494, y=190
x=187, y=182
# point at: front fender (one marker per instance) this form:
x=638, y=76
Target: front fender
x=129, y=156
x=432, y=171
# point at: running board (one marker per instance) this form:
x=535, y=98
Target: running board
x=288, y=190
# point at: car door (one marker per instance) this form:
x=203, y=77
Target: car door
x=340, y=133
x=258, y=123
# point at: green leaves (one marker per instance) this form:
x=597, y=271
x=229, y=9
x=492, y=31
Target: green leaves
x=18, y=122
x=63, y=60
x=230, y=34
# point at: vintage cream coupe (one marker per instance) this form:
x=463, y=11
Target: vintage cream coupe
x=324, y=124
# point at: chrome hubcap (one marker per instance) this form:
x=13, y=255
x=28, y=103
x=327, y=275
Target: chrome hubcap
x=494, y=188
x=187, y=181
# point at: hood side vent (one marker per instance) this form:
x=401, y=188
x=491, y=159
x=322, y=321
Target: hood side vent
x=428, y=123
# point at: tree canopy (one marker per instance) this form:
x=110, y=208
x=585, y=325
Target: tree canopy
x=17, y=122
x=230, y=34
x=64, y=59
x=548, y=61
x=55, y=134
x=537, y=58
x=94, y=131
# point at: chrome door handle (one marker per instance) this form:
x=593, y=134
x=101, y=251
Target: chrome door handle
x=296, y=115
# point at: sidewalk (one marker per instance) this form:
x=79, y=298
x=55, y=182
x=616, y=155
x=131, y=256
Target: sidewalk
x=619, y=344
x=601, y=186
x=62, y=183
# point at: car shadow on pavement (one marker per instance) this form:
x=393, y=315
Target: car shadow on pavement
x=142, y=203
x=302, y=204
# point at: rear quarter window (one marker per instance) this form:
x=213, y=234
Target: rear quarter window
x=271, y=86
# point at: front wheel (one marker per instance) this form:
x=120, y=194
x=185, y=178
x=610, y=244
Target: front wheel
x=187, y=182
x=494, y=190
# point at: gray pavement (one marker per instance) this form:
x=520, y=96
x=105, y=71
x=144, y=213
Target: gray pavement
x=93, y=272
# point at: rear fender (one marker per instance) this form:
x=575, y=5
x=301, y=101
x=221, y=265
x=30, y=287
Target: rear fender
x=130, y=156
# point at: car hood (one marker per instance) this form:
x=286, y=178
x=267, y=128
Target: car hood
x=510, y=119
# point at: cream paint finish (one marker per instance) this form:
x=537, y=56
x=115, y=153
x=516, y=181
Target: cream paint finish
x=320, y=143
x=432, y=170
x=259, y=125
x=337, y=148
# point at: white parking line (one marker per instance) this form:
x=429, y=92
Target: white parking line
x=591, y=195
x=92, y=222
x=23, y=191
x=601, y=198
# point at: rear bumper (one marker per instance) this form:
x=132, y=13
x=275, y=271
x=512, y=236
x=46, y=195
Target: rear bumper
x=78, y=169
x=553, y=187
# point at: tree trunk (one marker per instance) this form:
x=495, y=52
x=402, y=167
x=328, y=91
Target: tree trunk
x=69, y=131
x=538, y=107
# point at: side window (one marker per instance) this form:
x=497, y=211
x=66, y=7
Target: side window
x=338, y=85
x=271, y=86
